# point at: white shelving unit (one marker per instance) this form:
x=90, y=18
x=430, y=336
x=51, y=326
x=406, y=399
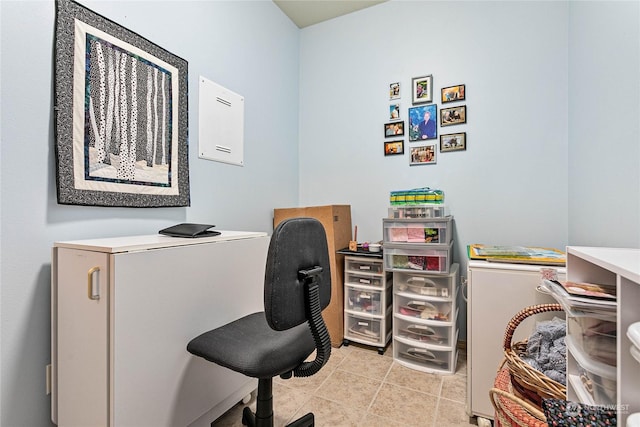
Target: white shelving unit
x=367, y=301
x=417, y=249
x=608, y=266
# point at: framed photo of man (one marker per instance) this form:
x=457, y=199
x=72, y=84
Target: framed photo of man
x=422, y=122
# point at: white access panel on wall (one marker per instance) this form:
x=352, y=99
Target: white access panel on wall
x=221, y=118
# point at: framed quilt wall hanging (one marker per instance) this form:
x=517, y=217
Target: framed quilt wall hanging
x=121, y=115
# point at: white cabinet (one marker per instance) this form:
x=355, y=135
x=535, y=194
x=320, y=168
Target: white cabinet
x=613, y=386
x=123, y=311
x=367, y=301
x=496, y=292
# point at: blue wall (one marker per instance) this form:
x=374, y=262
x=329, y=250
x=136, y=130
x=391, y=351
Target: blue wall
x=214, y=37
x=538, y=75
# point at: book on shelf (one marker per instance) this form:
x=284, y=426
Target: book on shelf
x=580, y=305
x=589, y=290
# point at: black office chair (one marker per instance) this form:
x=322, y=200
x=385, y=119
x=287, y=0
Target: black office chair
x=297, y=287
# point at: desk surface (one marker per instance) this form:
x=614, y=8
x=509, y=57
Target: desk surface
x=153, y=241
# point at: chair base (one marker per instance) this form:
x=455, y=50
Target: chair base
x=249, y=420
x=263, y=417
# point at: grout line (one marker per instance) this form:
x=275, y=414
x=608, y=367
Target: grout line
x=384, y=380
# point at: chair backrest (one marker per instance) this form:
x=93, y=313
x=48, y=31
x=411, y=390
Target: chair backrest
x=296, y=244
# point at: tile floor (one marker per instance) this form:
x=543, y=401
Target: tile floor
x=358, y=387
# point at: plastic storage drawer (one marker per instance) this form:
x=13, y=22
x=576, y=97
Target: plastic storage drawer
x=431, y=335
x=366, y=300
x=440, y=287
x=418, y=211
x=361, y=264
x=428, y=258
x=363, y=279
x=597, y=379
x=434, y=231
x=364, y=328
x=594, y=337
x=434, y=312
x=429, y=360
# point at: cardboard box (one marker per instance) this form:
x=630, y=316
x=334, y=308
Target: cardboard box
x=336, y=220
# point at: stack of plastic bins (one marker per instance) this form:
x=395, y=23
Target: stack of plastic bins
x=425, y=283
x=591, y=343
x=367, y=302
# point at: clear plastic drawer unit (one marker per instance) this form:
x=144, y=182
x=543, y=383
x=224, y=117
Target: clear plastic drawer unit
x=421, y=285
x=434, y=231
x=418, y=211
x=426, y=258
x=366, y=300
x=366, y=329
x=362, y=265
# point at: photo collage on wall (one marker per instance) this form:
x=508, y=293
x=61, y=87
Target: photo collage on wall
x=422, y=121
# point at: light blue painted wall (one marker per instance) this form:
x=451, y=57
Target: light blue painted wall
x=500, y=189
x=604, y=124
x=214, y=37
x=550, y=86
x=510, y=186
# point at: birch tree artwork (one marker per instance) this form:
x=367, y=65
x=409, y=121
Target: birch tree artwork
x=121, y=115
x=127, y=117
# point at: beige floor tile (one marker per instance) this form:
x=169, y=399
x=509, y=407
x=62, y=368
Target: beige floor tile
x=349, y=389
x=454, y=387
x=329, y=414
x=359, y=387
x=451, y=414
x=413, y=379
x=366, y=363
x=371, y=420
x=411, y=407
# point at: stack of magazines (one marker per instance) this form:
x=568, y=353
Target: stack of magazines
x=584, y=299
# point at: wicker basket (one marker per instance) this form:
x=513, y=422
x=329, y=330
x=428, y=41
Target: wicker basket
x=510, y=410
x=529, y=383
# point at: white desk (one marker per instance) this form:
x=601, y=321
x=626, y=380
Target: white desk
x=120, y=359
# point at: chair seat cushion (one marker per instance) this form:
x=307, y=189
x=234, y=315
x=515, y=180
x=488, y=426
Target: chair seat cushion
x=249, y=346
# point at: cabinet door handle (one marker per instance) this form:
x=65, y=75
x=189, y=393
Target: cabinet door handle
x=93, y=286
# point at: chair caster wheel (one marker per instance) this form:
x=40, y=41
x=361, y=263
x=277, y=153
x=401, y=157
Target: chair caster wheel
x=483, y=422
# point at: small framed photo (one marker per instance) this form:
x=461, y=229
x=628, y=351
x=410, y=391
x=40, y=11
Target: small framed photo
x=453, y=142
x=453, y=115
x=422, y=89
x=394, y=90
x=393, y=147
x=452, y=93
x=422, y=122
x=394, y=112
x=394, y=129
x=423, y=155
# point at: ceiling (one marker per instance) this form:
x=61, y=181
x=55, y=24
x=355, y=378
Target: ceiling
x=308, y=12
